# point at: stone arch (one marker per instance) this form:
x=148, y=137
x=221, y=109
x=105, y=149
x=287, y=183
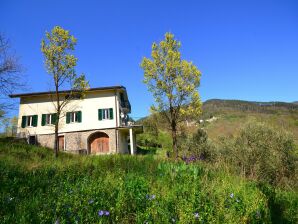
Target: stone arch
x=98, y=143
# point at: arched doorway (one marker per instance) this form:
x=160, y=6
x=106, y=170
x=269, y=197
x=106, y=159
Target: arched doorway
x=98, y=142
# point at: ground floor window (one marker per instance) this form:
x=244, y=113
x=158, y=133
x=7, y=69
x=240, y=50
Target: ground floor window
x=32, y=140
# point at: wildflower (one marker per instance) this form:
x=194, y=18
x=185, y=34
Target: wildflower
x=57, y=221
x=107, y=213
x=100, y=213
x=173, y=220
x=231, y=195
x=237, y=200
x=150, y=197
x=90, y=201
x=196, y=214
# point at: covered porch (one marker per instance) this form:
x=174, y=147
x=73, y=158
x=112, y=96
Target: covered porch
x=127, y=138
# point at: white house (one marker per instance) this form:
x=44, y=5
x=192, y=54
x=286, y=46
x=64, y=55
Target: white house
x=97, y=124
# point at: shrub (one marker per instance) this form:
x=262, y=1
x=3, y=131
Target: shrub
x=263, y=153
x=197, y=147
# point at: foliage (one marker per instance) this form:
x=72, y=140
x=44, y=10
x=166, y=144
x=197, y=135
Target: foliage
x=37, y=188
x=263, y=153
x=173, y=83
x=60, y=64
x=9, y=125
x=197, y=146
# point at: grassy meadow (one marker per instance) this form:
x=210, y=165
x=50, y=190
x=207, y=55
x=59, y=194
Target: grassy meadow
x=37, y=188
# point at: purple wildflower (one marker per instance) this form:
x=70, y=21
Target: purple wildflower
x=90, y=201
x=107, y=213
x=231, y=195
x=100, y=213
x=153, y=196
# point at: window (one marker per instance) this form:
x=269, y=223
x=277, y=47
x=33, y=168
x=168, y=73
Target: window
x=74, y=117
x=32, y=140
x=105, y=114
x=48, y=119
x=29, y=121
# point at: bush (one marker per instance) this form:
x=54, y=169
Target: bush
x=263, y=153
x=197, y=146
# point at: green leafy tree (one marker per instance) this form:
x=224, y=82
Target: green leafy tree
x=173, y=83
x=57, y=47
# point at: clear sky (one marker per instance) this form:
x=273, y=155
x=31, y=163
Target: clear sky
x=245, y=49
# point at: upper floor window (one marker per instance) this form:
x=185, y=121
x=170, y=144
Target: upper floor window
x=105, y=114
x=48, y=119
x=74, y=117
x=29, y=121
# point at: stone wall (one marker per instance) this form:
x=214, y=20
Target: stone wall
x=78, y=141
x=46, y=140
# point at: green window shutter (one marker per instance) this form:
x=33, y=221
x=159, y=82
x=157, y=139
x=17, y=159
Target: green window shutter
x=100, y=114
x=67, y=117
x=111, y=113
x=43, y=119
x=54, y=118
x=79, y=116
x=24, y=119
x=34, y=120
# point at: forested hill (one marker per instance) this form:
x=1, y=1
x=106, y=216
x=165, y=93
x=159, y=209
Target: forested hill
x=215, y=106
x=228, y=116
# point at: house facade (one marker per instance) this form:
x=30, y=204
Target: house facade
x=96, y=124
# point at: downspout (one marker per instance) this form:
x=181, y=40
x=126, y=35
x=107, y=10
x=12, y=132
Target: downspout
x=116, y=114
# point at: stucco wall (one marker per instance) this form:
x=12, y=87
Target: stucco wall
x=38, y=105
x=123, y=146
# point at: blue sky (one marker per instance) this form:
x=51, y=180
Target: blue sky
x=245, y=49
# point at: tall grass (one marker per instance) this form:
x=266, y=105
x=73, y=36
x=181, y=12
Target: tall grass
x=37, y=188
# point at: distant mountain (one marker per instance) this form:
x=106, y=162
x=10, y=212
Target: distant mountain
x=295, y=102
x=215, y=106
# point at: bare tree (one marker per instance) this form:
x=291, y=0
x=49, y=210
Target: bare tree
x=10, y=73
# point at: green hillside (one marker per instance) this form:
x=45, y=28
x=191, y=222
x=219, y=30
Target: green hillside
x=37, y=188
x=231, y=114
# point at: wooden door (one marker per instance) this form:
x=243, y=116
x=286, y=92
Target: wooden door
x=99, y=143
x=61, y=143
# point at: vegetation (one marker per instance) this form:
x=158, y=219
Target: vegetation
x=173, y=83
x=11, y=77
x=37, y=188
x=253, y=141
x=60, y=63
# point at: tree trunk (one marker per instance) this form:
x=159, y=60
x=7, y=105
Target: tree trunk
x=174, y=138
x=56, y=145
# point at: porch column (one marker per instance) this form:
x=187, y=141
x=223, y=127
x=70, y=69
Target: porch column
x=131, y=141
